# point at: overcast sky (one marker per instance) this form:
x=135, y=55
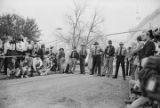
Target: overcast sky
x=119, y=15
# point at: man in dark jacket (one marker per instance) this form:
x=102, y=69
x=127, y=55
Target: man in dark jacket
x=109, y=54
x=149, y=46
x=74, y=57
x=61, y=60
x=41, y=52
x=82, y=54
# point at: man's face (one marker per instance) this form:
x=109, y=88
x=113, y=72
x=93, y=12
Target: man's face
x=144, y=36
x=13, y=60
x=53, y=57
x=121, y=45
x=110, y=44
x=130, y=49
x=82, y=47
x=38, y=58
x=27, y=56
x=96, y=46
x=157, y=32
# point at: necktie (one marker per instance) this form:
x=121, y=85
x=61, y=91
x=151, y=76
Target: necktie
x=120, y=52
x=95, y=50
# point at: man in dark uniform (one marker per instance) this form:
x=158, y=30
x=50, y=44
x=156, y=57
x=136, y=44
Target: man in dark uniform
x=82, y=56
x=96, y=54
x=120, y=55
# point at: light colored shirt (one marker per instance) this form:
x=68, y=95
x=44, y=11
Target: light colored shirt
x=97, y=51
x=37, y=63
x=21, y=46
x=123, y=51
x=1, y=43
x=7, y=46
x=157, y=48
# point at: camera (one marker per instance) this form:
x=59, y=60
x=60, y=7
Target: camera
x=152, y=88
x=150, y=78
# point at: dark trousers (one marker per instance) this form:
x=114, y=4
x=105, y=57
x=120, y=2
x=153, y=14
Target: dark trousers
x=82, y=65
x=96, y=63
x=120, y=60
x=128, y=67
x=7, y=60
x=1, y=63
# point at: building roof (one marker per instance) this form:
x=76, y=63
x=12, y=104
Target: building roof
x=145, y=20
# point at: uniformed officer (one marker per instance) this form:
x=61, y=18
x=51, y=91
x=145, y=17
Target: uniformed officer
x=120, y=56
x=96, y=54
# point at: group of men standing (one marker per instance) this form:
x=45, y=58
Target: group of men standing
x=108, y=55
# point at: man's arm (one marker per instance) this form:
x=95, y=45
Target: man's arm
x=34, y=65
x=140, y=46
x=41, y=63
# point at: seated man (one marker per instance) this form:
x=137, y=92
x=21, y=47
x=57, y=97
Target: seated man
x=141, y=100
x=26, y=65
x=13, y=68
x=133, y=85
x=37, y=64
x=46, y=66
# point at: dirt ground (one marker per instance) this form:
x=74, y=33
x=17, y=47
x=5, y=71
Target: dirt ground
x=63, y=91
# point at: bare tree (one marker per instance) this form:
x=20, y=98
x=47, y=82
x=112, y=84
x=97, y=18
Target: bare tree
x=93, y=27
x=80, y=29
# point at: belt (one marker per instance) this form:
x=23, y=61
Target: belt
x=97, y=55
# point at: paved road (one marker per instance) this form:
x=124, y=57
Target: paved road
x=63, y=91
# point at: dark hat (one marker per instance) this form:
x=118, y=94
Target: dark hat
x=110, y=42
x=74, y=47
x=96, y=43
x=61, y=49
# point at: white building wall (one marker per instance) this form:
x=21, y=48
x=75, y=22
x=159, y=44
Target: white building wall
x=150, y=24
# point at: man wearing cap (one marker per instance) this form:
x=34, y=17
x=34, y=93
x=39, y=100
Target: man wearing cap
x=82, y=57
x=109, y=54
x=120, y=56
x=96, y=54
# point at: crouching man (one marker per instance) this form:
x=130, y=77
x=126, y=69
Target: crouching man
x=26, y=65
x=13, y=68
x=37, y=64
x=47, y=64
